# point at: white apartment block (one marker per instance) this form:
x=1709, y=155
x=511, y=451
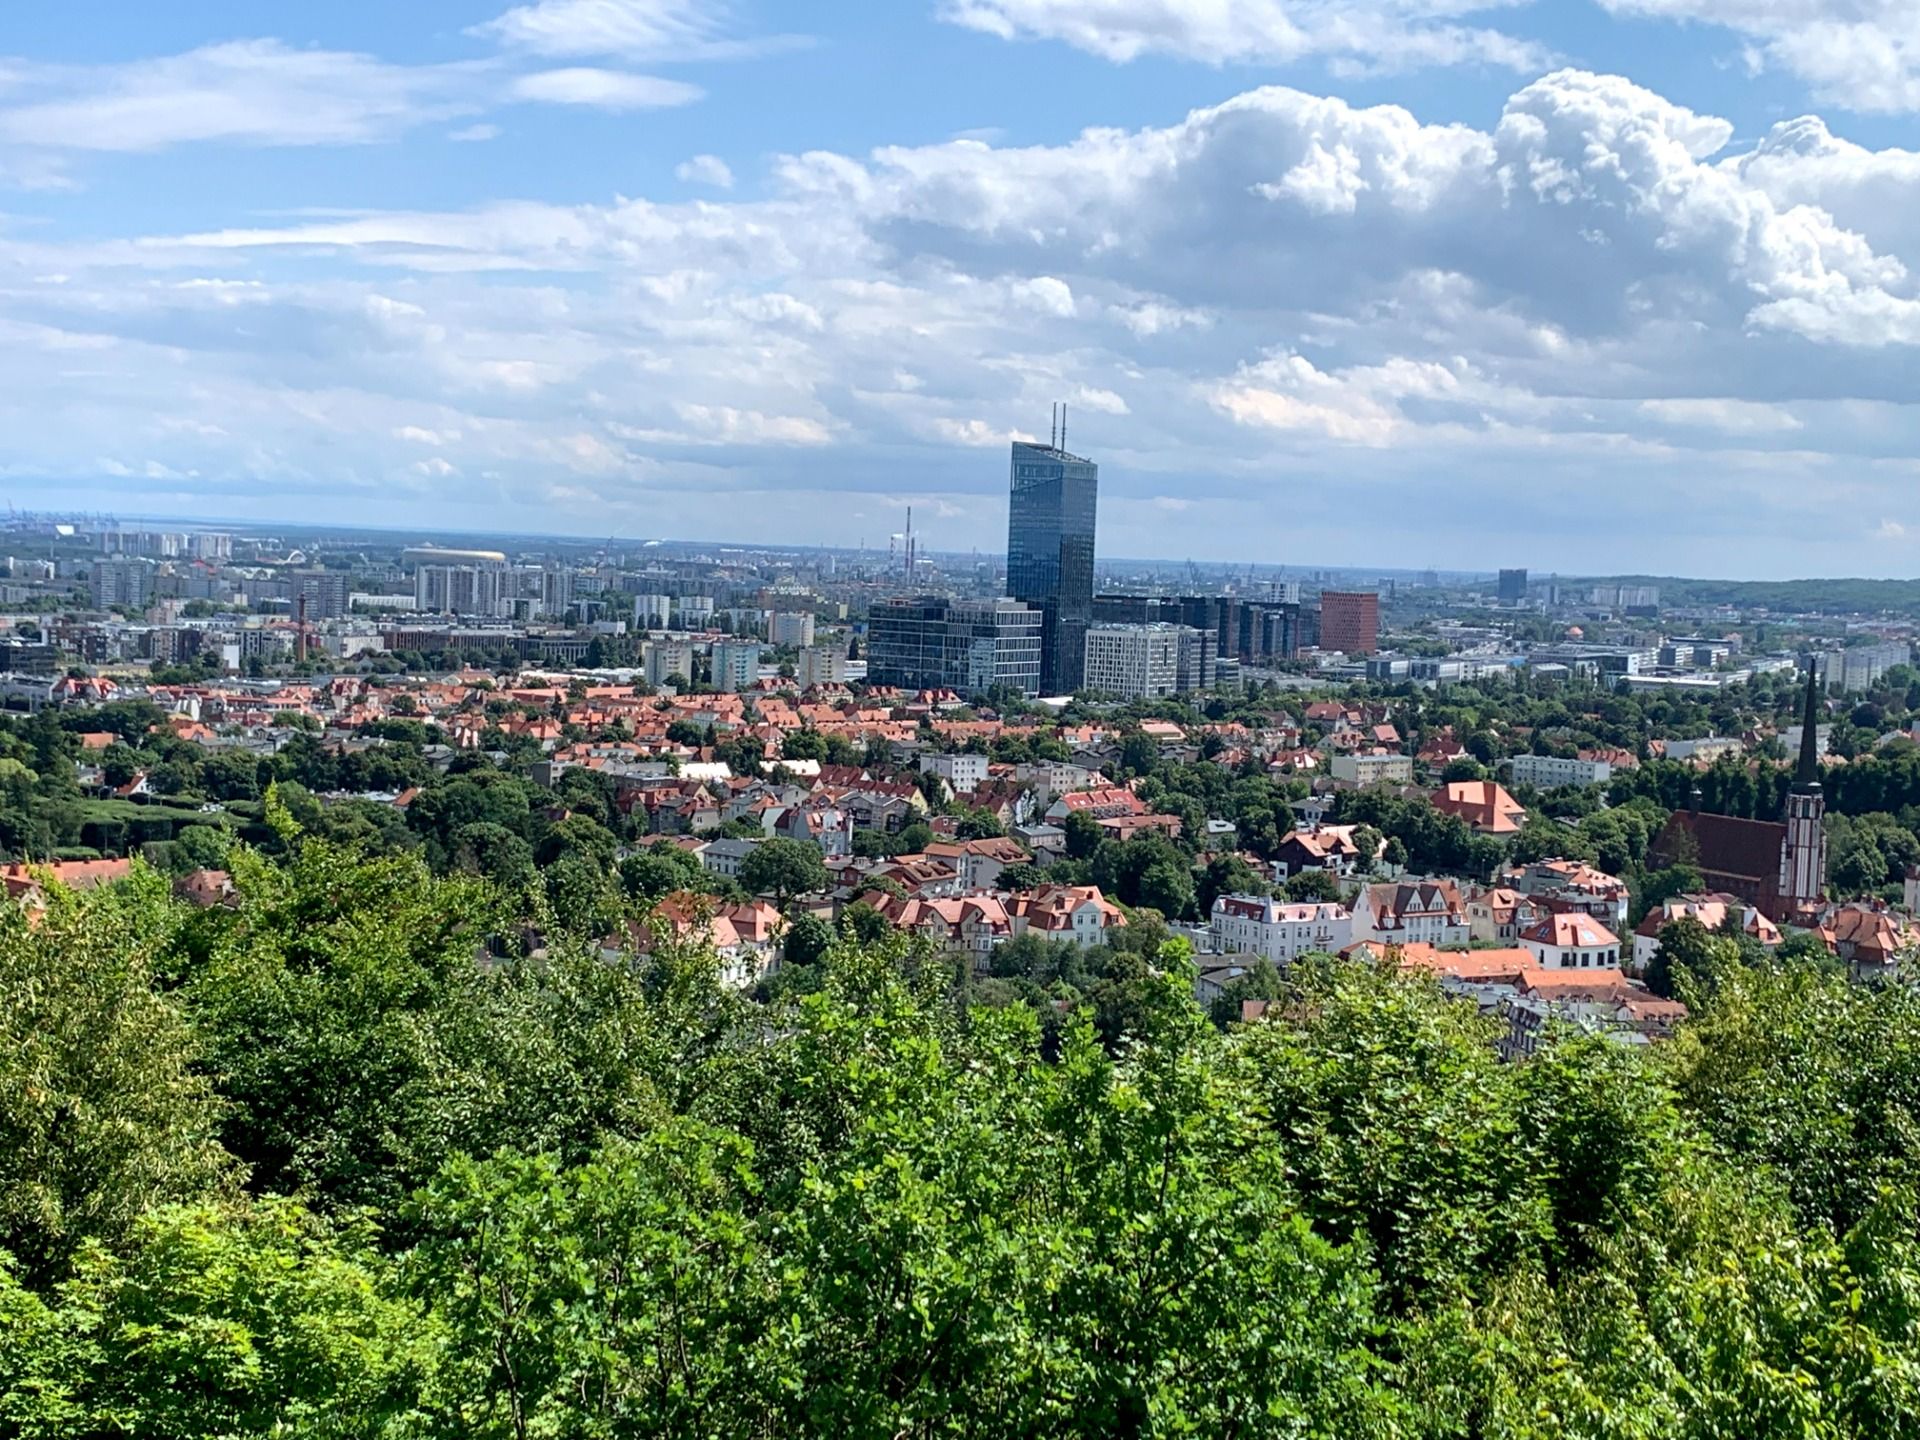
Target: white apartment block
x=1373, y=769
x=790, y=629
x=652, y=612
x=963, y=772
x=667, y=658
x=1135, y=662
x=736, y=665
x=1550, y=772
x=1257, y=925
x=821, y=665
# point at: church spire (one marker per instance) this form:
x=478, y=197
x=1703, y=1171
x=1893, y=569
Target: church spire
x=1807, y=777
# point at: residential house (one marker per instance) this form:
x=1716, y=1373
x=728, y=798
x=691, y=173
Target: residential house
x=1281, y=932
x=1572, y=940
x=1079, y=913
x=1712, y=910
x=1411, y=911
x=1483, y=804
x=1497, y=916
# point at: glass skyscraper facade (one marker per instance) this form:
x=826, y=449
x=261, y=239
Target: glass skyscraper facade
x=1053, y=504
x=929, y=642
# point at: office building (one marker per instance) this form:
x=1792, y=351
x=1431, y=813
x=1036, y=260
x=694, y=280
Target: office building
x=1350, y=621
x=459, y=582
x=968, y=646
x=821, y=665
x=1052, y=510
x=1513, y=587
x=668, y=661
x=790, y=629
x=736, y=665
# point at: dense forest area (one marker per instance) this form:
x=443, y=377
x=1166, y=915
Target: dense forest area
x=347, y=1158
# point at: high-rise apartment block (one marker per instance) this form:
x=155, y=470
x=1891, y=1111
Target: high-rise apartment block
x=821, y=665
x=790, y=628
x=1053, y=506
x=736, y=665
x=967, y=646
x=327, y=593
x=1350, y=621
x=668, y=660
x=1148, y=662
x=460, y=582
x=122, y=582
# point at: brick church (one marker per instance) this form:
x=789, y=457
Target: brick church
x=1777, y=866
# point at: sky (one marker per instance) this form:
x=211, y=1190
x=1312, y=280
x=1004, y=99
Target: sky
x=1590, y=286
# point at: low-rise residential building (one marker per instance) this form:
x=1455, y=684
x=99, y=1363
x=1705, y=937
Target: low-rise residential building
x=963, y=770
x=1411, y=911
x=1079, y=913
x=1483, y=804
x=1497, y=916
x=1375, y=767
x=1261, y=925
x=1572, y=885
x=1572, y=941
x=1331, y=848
x=1712, y=910
x=1868, y=936
x=1550, y=772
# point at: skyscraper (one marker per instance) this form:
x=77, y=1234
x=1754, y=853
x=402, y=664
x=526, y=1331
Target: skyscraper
x=1513, y=587
x=1053, y=501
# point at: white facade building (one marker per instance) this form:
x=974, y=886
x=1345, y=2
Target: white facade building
x=1372, y=769
x=736, y=665
x=1281, y=932
x=667, y=658
x=792, y=629
x=1550, y=772
x=962, y=772
x=821, y=665
x=1139, y=662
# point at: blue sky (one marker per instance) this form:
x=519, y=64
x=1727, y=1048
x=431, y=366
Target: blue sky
x=1585, y=285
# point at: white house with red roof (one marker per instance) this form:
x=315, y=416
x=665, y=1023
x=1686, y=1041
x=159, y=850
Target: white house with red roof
x=1079, y=913
x=1411, y=911
x=1572, y=940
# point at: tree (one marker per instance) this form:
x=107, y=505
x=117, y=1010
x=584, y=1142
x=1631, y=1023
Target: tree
x=863, y=924
x=1167, y=886
x=808, y=940
x=805, y=743
x=105, y=1104
x=659, y=871
x=1083, y=833
x=1021, y=875
x=198, y=847
x=783, y=869
x=1312, y=887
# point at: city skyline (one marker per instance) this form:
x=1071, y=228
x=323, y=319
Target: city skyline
x=1608, y=287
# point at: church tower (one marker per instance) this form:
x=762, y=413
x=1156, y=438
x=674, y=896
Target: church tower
x=1803, y=854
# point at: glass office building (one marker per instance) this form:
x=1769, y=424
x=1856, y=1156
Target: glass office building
x=928, y=642
x=1050, y=522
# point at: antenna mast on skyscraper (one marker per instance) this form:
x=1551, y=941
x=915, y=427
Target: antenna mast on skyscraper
x=1063, y=427
x=1053, y=427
